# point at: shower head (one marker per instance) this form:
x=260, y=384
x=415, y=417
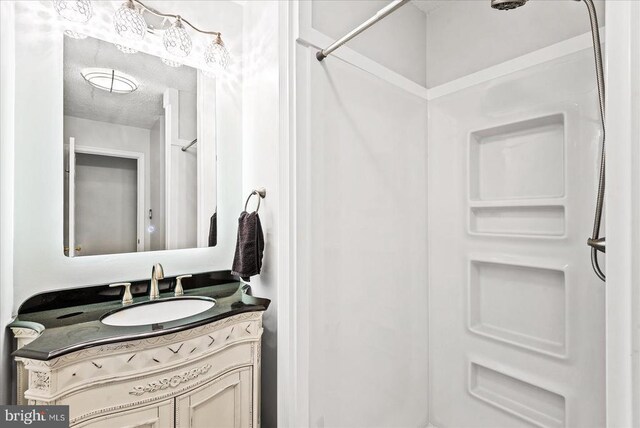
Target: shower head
x=507, y=4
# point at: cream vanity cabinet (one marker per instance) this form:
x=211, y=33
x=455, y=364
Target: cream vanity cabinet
x=203, y=377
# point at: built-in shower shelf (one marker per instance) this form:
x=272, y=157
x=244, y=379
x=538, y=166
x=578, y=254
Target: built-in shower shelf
x=520, y=302
x=518, y=160
x=524, y=399
x=514, y=203
x=523, y=220
x=517, y=179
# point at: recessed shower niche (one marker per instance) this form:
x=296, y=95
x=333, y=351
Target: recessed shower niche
x=530, y=402
x=520, y=160
x=523, y=220
x=521, y=304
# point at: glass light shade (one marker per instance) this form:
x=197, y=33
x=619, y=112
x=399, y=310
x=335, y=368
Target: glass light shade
x=171, y=63
x=216, y=54
x=129, y=22
x=125, y=49
x=110, y=80
x=74, y=10
x=176, y=40
x=74, y=34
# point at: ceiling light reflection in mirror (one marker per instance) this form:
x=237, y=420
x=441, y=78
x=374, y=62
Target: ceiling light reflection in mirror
x=110, y=80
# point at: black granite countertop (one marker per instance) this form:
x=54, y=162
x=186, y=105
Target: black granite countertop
x=70, y=319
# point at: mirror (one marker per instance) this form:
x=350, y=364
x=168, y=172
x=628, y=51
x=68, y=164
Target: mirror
x=139, y=150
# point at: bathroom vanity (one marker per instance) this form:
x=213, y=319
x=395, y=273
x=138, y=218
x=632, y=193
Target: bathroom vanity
x=151, y=171
x=198, y=371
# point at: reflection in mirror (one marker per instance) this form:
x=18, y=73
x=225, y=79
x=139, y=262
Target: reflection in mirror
x=140, y=171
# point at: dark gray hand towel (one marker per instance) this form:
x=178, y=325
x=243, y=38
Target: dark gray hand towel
x=249, y=247
x=213, y=230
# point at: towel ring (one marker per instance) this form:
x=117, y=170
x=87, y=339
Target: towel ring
x=261, y=192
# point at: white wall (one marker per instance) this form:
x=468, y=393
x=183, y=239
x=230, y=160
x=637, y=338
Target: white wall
x=261, y=135
x=398, y=42
x=465, y=36
x=7, y=117
x=184, y=207
x=623, y=213
x=182, y=169
x=38, y=147
x=156, y=162
x=360, y=188
x=188, y=115
x=365, y=172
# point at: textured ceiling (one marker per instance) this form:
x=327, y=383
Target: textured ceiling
x=140, y=108
x=429, y=6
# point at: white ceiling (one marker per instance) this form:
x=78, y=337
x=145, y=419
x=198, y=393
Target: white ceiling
x=141, y=108
x=429, y=6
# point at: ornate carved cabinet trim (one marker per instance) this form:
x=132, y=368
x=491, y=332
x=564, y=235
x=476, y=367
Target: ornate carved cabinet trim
x=121, y=377
x=23, y=336
x=170, y=382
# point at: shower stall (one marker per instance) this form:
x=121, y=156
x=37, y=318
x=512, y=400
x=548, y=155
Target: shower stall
x=449, y=159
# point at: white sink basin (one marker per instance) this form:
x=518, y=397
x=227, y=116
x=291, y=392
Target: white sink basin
x=158, y=311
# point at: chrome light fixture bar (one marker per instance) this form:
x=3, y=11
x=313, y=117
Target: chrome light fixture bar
x=178, y=43
x=129, y=23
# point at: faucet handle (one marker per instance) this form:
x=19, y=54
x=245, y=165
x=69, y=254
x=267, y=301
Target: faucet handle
x=157, y=272
x=179, y=291
x=127, y=298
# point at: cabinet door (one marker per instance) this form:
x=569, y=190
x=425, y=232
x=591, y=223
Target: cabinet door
x=222, y=403
x=157, y=416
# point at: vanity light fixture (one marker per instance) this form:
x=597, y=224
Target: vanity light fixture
x=129, y=23
x=178, y=42
x=216, y=55
x=74, y=10
x=176, y=39
x=110, y=80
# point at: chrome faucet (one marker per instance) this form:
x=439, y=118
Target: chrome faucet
x=156, y=273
